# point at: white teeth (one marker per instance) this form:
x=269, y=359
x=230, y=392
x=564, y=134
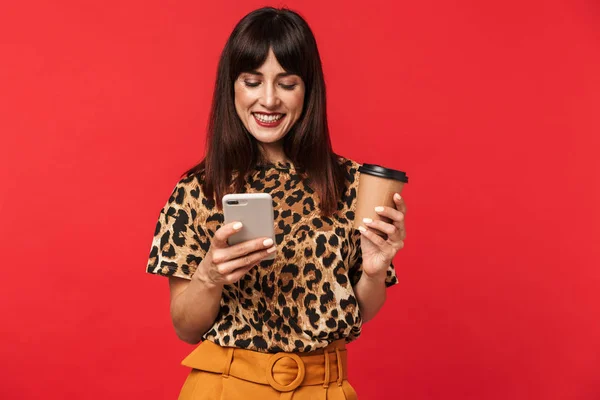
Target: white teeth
x=268, y=118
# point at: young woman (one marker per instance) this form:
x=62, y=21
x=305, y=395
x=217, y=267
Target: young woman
x=272, y=329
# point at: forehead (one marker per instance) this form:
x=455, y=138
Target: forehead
x=271, y=65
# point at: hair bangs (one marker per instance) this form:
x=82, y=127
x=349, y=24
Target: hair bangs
x=248, y=54
x=289, y=46
x=286, y=40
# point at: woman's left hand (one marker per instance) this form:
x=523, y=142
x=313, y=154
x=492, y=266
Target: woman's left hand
x=378, y=252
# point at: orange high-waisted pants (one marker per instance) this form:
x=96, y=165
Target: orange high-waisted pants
x=225, y=373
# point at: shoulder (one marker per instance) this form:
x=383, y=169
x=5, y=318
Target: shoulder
x=348, y=163
x=188, y=190
x=350, y=168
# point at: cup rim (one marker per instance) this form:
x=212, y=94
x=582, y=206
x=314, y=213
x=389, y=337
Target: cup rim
x=383, y=172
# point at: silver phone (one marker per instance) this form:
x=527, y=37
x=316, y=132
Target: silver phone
x=255, y=212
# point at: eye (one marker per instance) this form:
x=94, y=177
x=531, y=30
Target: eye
x=251, y=83
x=288, y=87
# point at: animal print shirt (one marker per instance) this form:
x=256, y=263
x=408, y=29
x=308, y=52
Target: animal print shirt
x=302, y=300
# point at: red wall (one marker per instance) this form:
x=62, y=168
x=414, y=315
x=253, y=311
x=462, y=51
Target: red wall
x=492, y=108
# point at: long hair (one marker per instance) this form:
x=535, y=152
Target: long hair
x=231, y=148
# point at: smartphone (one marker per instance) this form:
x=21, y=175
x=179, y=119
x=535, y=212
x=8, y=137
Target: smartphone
x=255, y=212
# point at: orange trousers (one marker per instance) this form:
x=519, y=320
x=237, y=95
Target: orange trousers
x=226, y=373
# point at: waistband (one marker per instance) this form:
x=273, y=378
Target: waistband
x=282, y=371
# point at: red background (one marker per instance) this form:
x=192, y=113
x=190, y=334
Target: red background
x=492, y=108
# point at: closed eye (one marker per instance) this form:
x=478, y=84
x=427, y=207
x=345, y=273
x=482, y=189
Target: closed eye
x=288, y=87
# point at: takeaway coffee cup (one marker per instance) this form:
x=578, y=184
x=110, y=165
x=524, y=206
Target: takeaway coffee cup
x=376, y=187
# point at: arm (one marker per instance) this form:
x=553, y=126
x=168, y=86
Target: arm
x=377, y=254
x=194, y=307
x=195, y=303
x=370, y=293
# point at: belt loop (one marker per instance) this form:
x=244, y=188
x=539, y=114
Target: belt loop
x=326, y=380
x=228, y=362
x=339, y=367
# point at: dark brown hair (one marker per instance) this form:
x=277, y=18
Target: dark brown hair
x=230, y=147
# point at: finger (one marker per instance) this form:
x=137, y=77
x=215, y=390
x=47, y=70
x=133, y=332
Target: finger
x=248, y=260
x=219, y=241
x=395, y=242
x=237, y=274
x=398, y=245
x=399, y=202
x=241, y=249
x=390, y=213
x=401, y=231
x=373, y=237
x=381, y=226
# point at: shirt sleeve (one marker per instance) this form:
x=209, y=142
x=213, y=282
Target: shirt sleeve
x=356, y=262
x=177, y=247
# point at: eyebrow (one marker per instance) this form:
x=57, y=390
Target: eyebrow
x=279, y=75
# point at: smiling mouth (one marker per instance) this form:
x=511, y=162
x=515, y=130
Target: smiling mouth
x=268, y=118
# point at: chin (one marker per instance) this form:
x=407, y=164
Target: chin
x=267, y=138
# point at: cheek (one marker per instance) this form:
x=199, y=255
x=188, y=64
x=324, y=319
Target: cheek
x=243, y=100
x=239, y=109
x=298, y=103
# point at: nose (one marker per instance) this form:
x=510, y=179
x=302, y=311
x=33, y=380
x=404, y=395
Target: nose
x=269, y=98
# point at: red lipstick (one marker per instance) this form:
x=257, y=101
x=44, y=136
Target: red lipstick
x=268, y=124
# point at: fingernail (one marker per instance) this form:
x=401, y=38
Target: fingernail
x=362, y=229
x=379, y=209
x=367, y=220
x=272, y=249
x=237, y=225
x=397, y=196
x=268, y=242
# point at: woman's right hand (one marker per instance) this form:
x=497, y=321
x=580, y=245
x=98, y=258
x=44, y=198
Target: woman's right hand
x=224, y=264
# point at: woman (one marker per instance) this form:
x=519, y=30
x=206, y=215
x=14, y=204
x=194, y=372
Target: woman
x=272, y=329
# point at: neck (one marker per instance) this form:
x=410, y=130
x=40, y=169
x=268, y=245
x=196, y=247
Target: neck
x=273, y=152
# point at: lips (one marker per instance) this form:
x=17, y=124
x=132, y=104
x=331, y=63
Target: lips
x=268, y=120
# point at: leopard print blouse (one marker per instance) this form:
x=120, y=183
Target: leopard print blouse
x=299, y=302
